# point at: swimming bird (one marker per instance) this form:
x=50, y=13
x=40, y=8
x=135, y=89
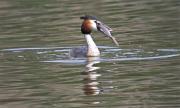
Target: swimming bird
x=89, y=24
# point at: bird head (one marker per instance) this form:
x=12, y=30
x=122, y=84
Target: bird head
x=91, y=23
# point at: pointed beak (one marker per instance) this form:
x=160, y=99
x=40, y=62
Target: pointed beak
x=106, y=31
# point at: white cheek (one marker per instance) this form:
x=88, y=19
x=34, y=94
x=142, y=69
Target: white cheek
x=94, y=27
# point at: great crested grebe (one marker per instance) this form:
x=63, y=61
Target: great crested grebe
x=90, y=24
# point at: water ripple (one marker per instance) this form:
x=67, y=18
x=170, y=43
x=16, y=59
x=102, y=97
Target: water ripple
x=108, y=54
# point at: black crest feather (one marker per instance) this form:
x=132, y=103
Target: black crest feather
x=88, y=17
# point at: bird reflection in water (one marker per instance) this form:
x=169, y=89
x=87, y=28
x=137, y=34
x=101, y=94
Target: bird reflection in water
x=91, y=85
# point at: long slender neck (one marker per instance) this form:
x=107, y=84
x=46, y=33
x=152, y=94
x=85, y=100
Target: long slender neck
x=92, y=48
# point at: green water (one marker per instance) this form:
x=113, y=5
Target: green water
x=37, y=72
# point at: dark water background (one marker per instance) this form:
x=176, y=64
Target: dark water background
x=36, y=71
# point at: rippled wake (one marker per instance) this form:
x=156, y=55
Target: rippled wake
x=108, y=54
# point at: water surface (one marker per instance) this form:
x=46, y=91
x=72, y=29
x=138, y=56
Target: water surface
x=37, y=71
